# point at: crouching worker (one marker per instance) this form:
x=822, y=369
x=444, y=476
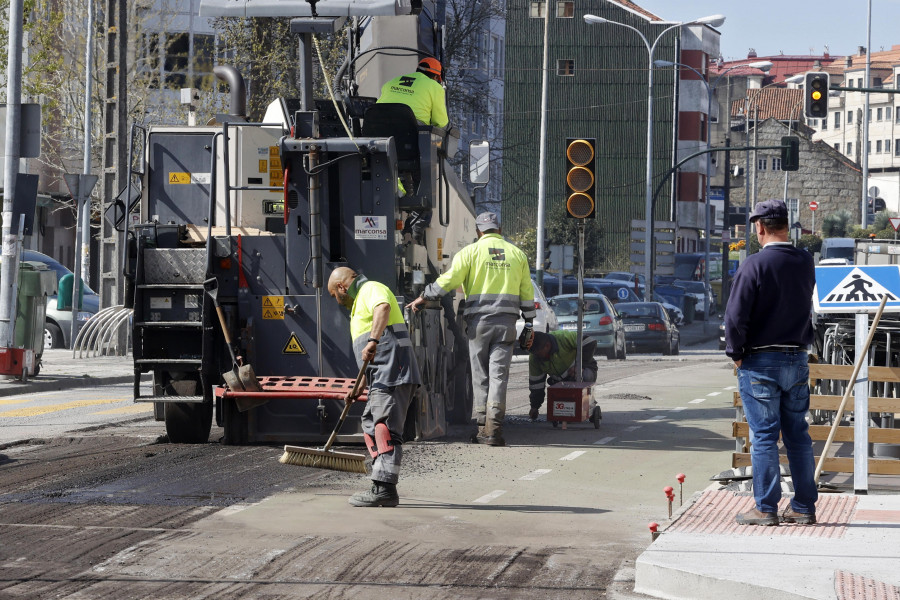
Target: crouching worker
x=553, y=360
x=379, y=336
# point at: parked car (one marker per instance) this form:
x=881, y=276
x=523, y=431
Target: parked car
x=58, y=323
x=675, y=313
x=544, y=319
x=637, y=280
x=648, y=327
x=616, y=291
x=706, y=298
x=601, y=321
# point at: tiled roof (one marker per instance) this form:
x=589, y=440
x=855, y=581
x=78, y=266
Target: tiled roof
x=783, y=66
x=777, y=103
x=634, y=7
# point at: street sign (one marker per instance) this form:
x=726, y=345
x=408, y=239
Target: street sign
x=895, y=222
x=813, y=205
x=79, y=184
x=622, y=293
x=857, y=288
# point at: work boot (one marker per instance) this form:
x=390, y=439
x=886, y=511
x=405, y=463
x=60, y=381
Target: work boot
x=757, y=517
x=533, y=413
x=489, y=439
x=381, y=494
x=792, y=516
x=480, y=433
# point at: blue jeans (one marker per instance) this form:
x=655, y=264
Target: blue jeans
x=774, y=389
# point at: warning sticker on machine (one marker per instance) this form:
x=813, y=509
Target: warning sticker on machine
x=293, y=346
x=273, y=307
x=370, y=228
x=188, y=178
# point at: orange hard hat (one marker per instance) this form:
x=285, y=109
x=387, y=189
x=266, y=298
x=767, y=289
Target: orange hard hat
x=431, y=66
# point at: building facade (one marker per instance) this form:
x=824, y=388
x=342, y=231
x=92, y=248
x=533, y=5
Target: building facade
x=598, y=88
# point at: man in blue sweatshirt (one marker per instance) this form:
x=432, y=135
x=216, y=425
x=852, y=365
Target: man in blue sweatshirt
x=767, y=333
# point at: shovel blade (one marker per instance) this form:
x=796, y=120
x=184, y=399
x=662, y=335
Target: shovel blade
x=249, y=382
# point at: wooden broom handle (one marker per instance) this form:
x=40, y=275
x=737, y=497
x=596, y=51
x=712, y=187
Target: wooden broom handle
x=354, y=393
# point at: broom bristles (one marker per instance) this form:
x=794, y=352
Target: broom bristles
x=322, y=459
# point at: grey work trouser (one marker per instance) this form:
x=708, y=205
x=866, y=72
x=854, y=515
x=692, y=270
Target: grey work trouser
x=491, y=339
x=388, y=406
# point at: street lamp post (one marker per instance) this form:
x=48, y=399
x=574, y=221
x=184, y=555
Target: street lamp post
x=763, y=65
x=713, y=20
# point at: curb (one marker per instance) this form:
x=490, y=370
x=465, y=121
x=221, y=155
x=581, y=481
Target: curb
x=58, y=383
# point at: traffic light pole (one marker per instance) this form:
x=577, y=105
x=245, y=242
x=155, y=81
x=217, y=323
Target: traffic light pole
x=664, y=178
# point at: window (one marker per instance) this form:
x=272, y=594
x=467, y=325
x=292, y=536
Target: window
x=859, y=82
x=897, y=115
x=849, y=117
x=880, y=114
x=887, y=146
x=761, y=164
x=837, y=120
x=537, y=10
x=897, y=147
x=887, y=113
x=876, y=82
x=849, y=148
x=869, y=147
x=878, y=147
x=824, y=123
x=776, y=164
x=870, y=115
x=565, y=67
x=565, y=10
x=837, y=147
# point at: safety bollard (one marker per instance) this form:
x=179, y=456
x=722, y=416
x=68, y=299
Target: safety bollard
x=654, y=533
x=670, y=496
x=680, y=477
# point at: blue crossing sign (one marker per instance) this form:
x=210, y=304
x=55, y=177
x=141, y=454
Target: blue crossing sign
x=857, y=288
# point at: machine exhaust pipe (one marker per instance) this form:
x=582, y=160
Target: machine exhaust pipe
x=238, y=88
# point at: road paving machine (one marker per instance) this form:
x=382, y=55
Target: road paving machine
x=262, y=213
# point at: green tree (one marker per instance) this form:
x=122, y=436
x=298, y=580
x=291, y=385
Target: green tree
x=810, y=242
x=837, y=224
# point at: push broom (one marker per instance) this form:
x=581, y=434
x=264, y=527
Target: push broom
x=326, y=458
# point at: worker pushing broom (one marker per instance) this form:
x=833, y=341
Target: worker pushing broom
x=385, y=354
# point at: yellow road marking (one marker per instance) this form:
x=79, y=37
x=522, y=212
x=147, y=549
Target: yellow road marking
x=43, y=410
x=8, y=402
x=143, y=407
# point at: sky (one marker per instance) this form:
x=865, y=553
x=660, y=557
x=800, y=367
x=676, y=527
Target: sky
x=790, y=26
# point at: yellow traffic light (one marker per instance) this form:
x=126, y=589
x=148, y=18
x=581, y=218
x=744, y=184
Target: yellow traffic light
x=580, y=177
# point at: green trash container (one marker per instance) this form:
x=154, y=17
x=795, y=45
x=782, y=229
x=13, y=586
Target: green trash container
x=36, y=282
x=64, y=297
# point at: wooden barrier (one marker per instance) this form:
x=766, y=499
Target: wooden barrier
x=877, y=435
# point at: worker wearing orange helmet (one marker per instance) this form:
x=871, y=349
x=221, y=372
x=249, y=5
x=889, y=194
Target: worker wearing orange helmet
x=422, y=92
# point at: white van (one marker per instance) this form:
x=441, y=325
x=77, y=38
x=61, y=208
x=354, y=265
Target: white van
x=838, y=248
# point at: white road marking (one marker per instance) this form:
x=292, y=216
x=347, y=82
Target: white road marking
x=488, y=497
x=534, y=474
x=697, y=401
x=678, y=408
x=657, y=418
x=573, y=455
x=605, y=440
x=714, y=393
x=632, y=428
x=730, y=387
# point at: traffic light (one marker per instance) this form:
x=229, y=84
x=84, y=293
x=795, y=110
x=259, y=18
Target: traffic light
x=790, y=153
x=580, y=179
x=815, y=93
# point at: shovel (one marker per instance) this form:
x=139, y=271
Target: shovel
x=240, y=378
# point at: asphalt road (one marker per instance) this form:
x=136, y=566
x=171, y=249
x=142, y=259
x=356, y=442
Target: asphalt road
x=114, y=511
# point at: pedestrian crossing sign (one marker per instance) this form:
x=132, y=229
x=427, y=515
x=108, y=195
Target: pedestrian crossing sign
x=857, y=288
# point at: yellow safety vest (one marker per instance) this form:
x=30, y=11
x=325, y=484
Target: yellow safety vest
x=425, y=96
x=494, y=275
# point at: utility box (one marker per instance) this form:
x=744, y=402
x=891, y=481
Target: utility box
x=36, y=282
x=569, y=402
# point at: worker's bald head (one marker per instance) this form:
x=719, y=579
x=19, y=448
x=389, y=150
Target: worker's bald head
x=339, y=283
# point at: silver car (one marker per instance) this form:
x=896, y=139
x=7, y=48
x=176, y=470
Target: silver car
x=545, y=318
